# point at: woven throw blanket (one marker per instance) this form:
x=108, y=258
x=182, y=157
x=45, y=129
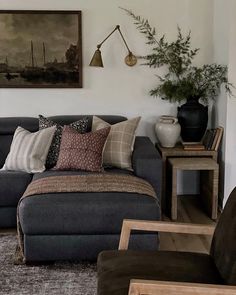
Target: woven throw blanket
x=103, y=182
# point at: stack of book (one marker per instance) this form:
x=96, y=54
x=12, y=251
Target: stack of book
x=193, y=146
x=212, y=138
x=211, y=141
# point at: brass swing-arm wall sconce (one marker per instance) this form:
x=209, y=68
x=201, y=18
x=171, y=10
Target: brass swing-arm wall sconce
x=96, y=61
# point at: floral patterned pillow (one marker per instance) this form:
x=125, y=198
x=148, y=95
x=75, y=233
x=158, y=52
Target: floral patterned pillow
x=80, y=126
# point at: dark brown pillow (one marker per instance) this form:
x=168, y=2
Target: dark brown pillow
x=81, y=151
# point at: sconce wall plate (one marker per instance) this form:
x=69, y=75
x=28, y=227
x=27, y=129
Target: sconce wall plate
x=131, y=60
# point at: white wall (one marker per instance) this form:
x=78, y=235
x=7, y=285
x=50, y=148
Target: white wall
x=116, y=89
x=230, y=136
x=224, y=28
x=221, y=55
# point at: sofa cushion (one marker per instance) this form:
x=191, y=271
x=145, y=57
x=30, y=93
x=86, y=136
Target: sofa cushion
x=81, y=151
x=81, y=126
x=120, y=141
x=80, y=247
x=117, y=268
x=68, y=119
x=9, y=125
x=83, y=213
x=12, y=186
x=28, y=150
x=8, y=217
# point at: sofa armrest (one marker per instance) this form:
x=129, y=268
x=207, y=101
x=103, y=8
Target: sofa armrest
x=147, y=163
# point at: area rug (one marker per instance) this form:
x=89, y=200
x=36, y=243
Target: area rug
x=53, y=279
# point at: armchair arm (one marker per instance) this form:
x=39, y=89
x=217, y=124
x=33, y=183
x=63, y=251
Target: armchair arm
x=160, y=226
x=138, y=287
x=147, y=163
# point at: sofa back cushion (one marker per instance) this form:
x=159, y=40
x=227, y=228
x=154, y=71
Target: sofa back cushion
x=8, y=126
x=68, y=119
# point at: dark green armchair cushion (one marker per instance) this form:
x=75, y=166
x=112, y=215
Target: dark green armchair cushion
x=117, y=268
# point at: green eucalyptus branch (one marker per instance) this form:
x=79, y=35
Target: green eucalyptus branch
x=183, y=80
x=160, y=55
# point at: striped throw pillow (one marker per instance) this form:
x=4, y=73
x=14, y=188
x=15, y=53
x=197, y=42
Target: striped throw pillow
x=120, y=141
x=28, y=150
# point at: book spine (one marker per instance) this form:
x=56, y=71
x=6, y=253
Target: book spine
x=213, y=132
x=206, y=139
x=219, y=138
x=215, y=139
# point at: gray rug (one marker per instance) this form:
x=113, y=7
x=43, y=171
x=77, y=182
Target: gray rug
x=55, y=279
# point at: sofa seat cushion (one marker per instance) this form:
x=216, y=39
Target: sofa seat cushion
x=12, y=186
x=117, y=268
x=83, y=213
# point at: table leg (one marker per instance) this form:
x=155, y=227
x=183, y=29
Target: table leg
x=209, y=191
x=174, y=194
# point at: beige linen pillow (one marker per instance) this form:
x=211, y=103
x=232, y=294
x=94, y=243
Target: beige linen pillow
x=119, y=145
x=28, y=150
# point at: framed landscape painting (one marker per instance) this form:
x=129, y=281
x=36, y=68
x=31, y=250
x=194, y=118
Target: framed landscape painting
x=40, y=49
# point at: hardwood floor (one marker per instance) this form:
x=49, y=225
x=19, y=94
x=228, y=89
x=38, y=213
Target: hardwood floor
x=189, y=210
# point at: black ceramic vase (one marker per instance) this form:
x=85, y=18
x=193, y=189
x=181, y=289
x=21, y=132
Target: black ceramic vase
x=193, y=118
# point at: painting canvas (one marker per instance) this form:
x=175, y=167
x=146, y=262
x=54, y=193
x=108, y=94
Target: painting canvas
x=40, y=49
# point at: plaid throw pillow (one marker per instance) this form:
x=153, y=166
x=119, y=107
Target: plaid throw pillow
x=120, y=141
x=80, y=126
x=81, y=151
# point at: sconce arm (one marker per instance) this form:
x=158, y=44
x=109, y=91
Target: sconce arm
x=116, y=28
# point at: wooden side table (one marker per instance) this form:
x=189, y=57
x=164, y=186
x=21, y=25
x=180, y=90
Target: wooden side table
x=209, y=176
x=175, y=152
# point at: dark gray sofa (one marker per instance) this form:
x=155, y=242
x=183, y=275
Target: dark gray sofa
x=69, y=226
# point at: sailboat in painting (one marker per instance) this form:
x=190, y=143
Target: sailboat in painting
x=50, y=72
x=32, y=72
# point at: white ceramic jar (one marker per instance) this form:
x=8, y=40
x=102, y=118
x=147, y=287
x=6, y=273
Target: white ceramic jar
x=167, y=131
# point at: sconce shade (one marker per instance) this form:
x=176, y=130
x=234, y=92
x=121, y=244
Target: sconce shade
x=96, y=60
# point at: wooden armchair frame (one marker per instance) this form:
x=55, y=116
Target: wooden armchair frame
x=141, y=287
